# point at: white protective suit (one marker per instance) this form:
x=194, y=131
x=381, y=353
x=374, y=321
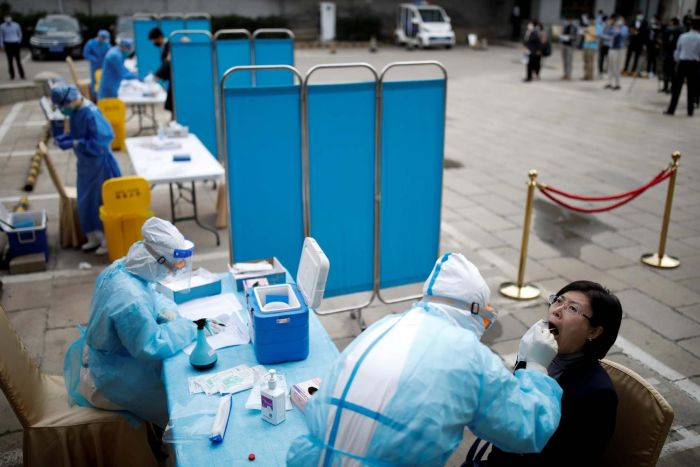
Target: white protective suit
x=405, y=389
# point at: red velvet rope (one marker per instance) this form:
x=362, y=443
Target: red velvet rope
x=661, y=176
x=624, y=197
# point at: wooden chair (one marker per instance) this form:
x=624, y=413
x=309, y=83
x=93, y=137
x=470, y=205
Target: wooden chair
x=69, y=222
x=56, y=433
x=643, y=420
x=83, y=85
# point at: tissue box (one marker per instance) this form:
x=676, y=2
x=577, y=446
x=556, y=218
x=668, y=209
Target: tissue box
x=301, y=392
x=202, y=284
x=276, y=275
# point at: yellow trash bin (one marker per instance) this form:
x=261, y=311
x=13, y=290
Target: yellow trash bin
x=114, y=111
x=98, y=77
x=125, y=207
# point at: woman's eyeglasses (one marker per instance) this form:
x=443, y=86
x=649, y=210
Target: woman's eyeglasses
x=569, y=307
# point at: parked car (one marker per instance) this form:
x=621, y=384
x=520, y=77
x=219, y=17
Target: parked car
x=57, y=36
x=423, y=26
x=123, y=29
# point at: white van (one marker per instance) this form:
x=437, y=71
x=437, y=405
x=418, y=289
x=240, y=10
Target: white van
x=423, y=26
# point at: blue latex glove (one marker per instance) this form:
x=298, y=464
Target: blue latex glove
x=65, y=143
x=61, y=137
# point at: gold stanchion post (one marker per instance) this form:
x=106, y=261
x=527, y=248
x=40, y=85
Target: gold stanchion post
x=519, y=290
x=661, y=259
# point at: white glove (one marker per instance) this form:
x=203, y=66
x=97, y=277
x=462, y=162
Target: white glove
x=167, y=315
x=526, y=340
x=538, y=347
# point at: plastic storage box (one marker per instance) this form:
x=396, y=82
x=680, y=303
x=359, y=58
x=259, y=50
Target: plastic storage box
x=202, y=284
x=29, y=233
x=279, y=314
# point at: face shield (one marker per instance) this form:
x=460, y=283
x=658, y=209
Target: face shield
x=178, y=262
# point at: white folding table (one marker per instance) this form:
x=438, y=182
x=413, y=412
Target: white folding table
x=158, y=166
x=141, y=104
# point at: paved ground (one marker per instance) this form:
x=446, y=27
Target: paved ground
x=580, y=137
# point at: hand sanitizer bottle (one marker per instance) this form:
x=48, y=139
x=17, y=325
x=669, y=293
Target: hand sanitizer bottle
x=272, y=400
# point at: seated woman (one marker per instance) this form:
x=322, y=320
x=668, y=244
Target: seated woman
x=585, y=319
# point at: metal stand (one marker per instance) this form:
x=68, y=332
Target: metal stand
x=141, y=111
x=181, y=195
x=519, y=290
x=661, y=260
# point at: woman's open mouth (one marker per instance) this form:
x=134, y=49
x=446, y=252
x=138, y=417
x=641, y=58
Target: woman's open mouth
x=553, y=329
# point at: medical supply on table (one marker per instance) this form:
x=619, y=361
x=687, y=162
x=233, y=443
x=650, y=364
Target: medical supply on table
x=202, y=283
x=272, y=400
x=269, y=268
x=182, y=158
x=203, y=356
x=229, y=381
x=279, y=314
x=175, y=130
x=218, y=429
x=302, y=392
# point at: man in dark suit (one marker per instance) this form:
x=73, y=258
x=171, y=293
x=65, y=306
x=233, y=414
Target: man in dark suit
x=158, y=39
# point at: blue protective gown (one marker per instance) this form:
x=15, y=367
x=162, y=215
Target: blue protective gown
x=126, y=344
x=95, y=51
x=113, y=72
x=96, y=163
x=404, y=390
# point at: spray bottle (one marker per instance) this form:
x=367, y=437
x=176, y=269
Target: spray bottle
x=203, y=356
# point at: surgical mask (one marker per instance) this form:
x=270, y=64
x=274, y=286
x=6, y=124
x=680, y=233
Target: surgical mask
x=126, y=53
x=67, y=111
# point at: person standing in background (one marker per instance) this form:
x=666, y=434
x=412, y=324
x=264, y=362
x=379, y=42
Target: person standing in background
x=94, y=51
x=163, y=73
x=638, y=32
x=590, y=44
x=653, y=45
x=670, y=39
x=568, y=40
x=533, y=43
x=10, y=42
x=515, y=30
x=603, y=44
x=617, y=32
x=687, y=56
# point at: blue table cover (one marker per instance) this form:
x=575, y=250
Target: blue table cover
x=246, y=433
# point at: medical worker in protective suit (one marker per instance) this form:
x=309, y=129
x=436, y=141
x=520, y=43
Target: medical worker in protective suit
x=94, y=51
x=116, y=363
x=90, y=138
x=405, y=389
x=113, y=69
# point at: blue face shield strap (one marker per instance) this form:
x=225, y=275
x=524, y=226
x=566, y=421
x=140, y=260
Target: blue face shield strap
x=341, y=402
x=182, y=253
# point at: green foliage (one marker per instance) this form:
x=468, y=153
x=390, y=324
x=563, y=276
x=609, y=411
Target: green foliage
x=358, y=27
x=94, y=23
x=251, y=24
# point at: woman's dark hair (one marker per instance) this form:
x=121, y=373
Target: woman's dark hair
x=607, y=312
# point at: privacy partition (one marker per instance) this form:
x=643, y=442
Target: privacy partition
x=194, y=92
x=341, y=154
x=262, y=147
x=411, y=148
x=358, y=166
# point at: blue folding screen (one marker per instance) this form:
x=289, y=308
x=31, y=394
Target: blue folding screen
x=230, y=53
x=194, y=91
x=147, y=54
x=274, y=52
x=198, y=24
x=263, y=137
x=413, y=129
x=341, y=124
x=170, y=25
